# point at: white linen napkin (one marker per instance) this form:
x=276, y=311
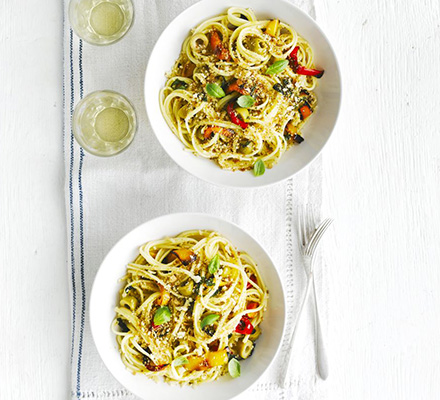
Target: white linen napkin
x=107, y=197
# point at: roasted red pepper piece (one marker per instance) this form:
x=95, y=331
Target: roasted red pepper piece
x=244, y=326
x=155, y=368
x=217, y=46
x=253, y=278
x=234, y=117
x=155, y=327
x=236, y=86
x=211, y=130
x=305, y=111
x=252, y=305
x=299, y=69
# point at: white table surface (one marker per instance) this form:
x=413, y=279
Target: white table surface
x=381, y=183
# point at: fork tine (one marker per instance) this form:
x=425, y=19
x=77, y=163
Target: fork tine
x=303, y=227
x=310, y=221
x=319, y=233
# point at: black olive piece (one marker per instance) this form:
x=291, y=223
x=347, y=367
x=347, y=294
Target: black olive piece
x=208, y=281
x=178, y=84
x=122, y=325
x=298, y=138
x=209, y=330
x=225, y=83
x=128, y=288
x=252, y=351
x=286, y=81
x=278, y=87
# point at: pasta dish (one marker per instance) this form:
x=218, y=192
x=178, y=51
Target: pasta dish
x=241, y=90
x=190, y=309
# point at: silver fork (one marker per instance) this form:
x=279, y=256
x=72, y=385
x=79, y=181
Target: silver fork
x=309, y=240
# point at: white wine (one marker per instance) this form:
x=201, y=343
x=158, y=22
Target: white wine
x=104, y=123
x=112, y=124
x=106, y=18
x=101, y=22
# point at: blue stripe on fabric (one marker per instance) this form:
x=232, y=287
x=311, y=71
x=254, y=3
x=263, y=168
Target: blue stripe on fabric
x=72, y=220
x=81, y=237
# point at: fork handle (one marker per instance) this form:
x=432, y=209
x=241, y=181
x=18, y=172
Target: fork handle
x=321, y=354
x=293, y=334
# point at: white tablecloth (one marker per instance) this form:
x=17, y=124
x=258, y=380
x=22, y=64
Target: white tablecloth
x=107, y=197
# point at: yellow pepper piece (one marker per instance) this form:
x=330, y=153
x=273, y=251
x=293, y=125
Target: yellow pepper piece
x=196, y=363
x=164, y=297
x=243, y=113
x=272, y=27
x=217, y=358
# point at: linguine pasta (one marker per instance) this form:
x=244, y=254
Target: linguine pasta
x=191, y=306
x=241, y=90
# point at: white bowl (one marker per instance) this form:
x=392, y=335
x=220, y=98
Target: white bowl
x=317, y=130
x=105, y=293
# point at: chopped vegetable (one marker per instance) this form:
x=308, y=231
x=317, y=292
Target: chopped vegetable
x=305, y=111
x=209, y=320
x=259, y=168
x=234, y=368
x=234, y=117
x=178, y=84
x=196, y=363
x=245, y=147
x=299, y=69
x=236, y=86
x=309, y=71
x=217, y=46
x=272, y=27
x=245, y=349
x=162, y=316
x=154, y=368
x=243, y=113
x=253, y=278
x=215, y=90
x=217, y=358
x=164, y=297
x=130, y=301
x=277, y=67
x=180, y=361
x=188, y=69
x=278, y=87
x=244, y=327
x=122, y=325
x=185, y=256
x=211, y=130
x=246, y=101
x=298, y=138
x=251, y=306
x=214, y=264
x=187, y=288
x=255, y=334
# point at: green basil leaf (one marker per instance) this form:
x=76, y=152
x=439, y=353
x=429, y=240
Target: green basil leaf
x=214, y=264
x=209, y=320
x=234, y=368
x=215, y=90
x=277, y=67
x=180, y=361
x=259, y=168
x=245, y=101
x=162, y=315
